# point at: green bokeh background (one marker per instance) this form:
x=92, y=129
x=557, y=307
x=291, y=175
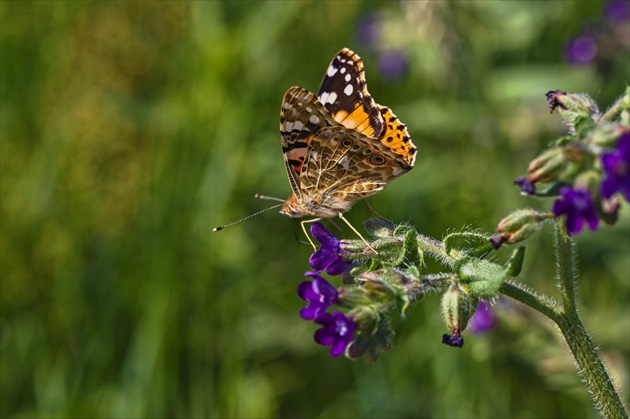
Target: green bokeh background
x=130, y=129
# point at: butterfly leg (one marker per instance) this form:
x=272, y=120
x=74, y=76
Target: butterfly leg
x=373, y=211
x=303, y=223
x=357, y=233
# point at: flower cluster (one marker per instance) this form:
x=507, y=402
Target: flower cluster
x=377, y=282
x=337, y=329
x=588, y=171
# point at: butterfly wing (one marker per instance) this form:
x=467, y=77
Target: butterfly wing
x=301, y=116
x=341, y=166
x=340, y=146
x=344, y=94
x=396, y=137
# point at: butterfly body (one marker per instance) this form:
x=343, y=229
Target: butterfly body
x=340, y=146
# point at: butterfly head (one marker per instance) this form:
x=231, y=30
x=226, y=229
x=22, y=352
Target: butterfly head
x=292, y=207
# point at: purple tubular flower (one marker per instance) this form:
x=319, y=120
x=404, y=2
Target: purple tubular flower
x=497, y=241
x=581, y=50
x=328, y=256
x=618, y=11
x=337, y=330
x=483, y=320
x=394, y=64
x=579, y=208
x=455, y=340
x=616, y=166
x=525, y=185
x=369, y=29
x=319, y=293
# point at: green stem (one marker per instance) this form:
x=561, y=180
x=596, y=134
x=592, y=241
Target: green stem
x=566, y=268
x=590, y=366
x=546, y=306
x=623, y=103
x=436, y=248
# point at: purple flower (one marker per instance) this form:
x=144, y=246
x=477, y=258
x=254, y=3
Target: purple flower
x=455, y=340
x=581, y=50
x=483, y=319
x=337, y=330
x=579, y=208
x=618, y=11
x=616, y=166
x=369, y=29
x=319, y=293
x=328, y=256
x=497, y=240
x=393, y=64
x=525, y=185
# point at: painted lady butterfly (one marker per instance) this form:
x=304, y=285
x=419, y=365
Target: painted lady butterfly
x=340, y=146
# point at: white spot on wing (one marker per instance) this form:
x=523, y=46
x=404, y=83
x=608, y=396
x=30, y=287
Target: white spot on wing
x=313, y=119
x=348, y=90
x=332, y=70
x=343, y=70
x=328, y=97
x=293, y=125
x=348, y=77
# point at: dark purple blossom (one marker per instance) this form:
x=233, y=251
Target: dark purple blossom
x=337, y=330
x=369, y=29
x=483, y=319
x=553, y=98
x=581, y=50
x=328, y=256
x=616, y=166
x=455, y=340
x=319, y=293
x=579, y=208
x=618, y=11
x=393, y=64
x=497, y=240
x=525, y=185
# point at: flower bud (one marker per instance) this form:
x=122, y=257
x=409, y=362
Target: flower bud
x=377, y=290
x=373, y=334
x=480, y=278
x=545, y=167
x=575, y=108
x=610, y=210
x=380, y=228
x=518, y=226
x=457, y=308
x=606, y=135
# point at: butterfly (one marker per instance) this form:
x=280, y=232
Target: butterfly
x=340, y=146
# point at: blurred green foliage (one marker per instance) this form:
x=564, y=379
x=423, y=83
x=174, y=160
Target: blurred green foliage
x=130, y=129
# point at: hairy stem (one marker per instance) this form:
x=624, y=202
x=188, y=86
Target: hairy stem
x=621, y=104
x=567, y=276
x=590, y=366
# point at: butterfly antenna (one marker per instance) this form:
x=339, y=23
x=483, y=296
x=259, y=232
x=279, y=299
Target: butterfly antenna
x=269, y=198
x=246, y=218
